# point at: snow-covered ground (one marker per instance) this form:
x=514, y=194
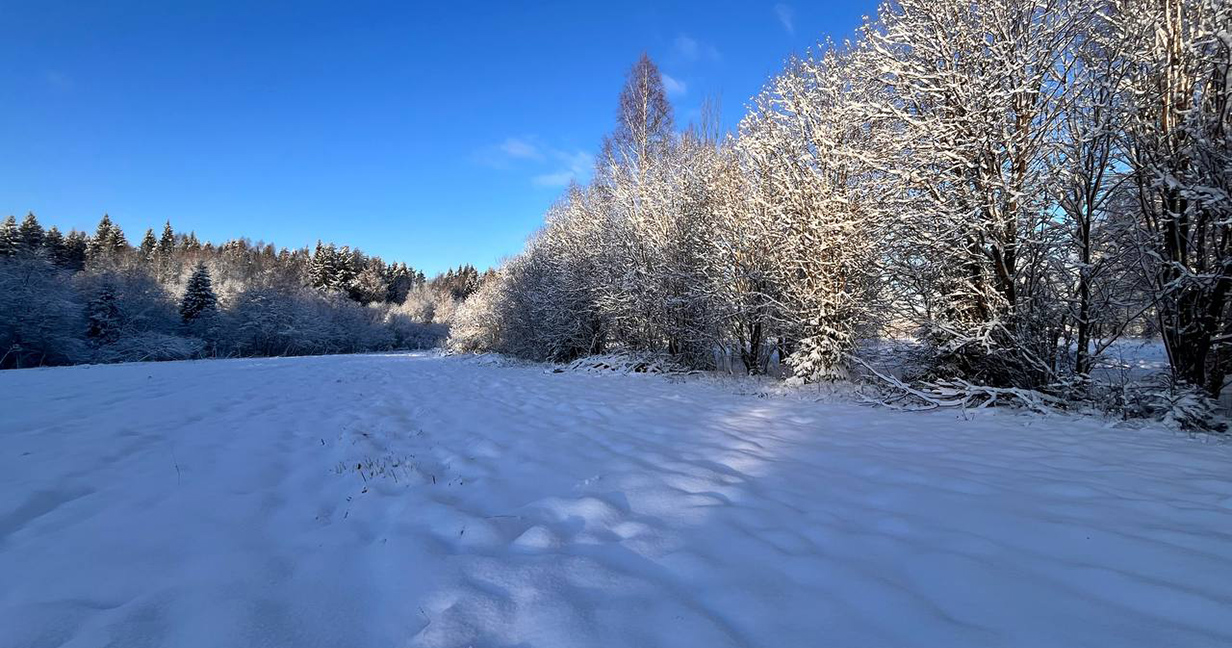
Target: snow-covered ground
x=415, y=500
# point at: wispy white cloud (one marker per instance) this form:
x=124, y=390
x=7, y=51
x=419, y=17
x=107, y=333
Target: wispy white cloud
x=786, y=16
x=691, y=49
x=674, y=86
x=547, y=165
x=512, y=150
x=520, y=149
x=574, y=165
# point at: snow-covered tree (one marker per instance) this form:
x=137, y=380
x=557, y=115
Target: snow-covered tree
x=166, y=242
x=103, y=316
x=75, y=249
x=148, y=247
x=815, y=204
x=54, y=246
x=975, y=91
x=10, y=238
x=108, y=243
x=1178, y=131
x=199, y=299
x=30, y=234
x=40, y=315
x=644, y=120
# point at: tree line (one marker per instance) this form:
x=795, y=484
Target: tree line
x=72, y=298
x=1014, y=183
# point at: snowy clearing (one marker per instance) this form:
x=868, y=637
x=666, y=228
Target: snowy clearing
x=417, y=500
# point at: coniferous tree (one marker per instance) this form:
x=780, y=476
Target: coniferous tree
x=323, y=268
x=30, y=234
x=199, y=299
x=370, y=284
x=103, y=317
x=53, y=244
x=400, y=280
x=73, y=256
x=149, y=246
x=108, y=241
x=10, y=239
x=350, y=262
x=166, y=243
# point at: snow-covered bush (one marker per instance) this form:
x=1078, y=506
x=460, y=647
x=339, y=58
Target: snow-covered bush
x=420, y=304
x=41, y=315
x=627, y=363
x=150, y=346
x=1177, y=404
x=477, y=322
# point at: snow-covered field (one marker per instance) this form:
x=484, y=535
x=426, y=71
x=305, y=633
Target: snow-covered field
x=415, y=500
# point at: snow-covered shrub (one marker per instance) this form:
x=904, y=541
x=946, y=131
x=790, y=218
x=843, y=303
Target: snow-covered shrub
x=150, y=346
x=420, y=304
x=41, y=315
x=444, y=306
x=628, y=362
x=477, y=322
x=410, y=334
x=131, y=317
x=1177, y=404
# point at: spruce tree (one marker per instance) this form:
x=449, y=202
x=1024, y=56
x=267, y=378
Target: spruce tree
x=74, y=251
x=149, y=245
x=103, y=316
x=31, y=234
x=199, y=299
x=53, y=243
x=117, y=242
x=103, y=232
x=349, y=263
x=323, y=270
x=10, y=240
x=108, y=240
x=166, y=243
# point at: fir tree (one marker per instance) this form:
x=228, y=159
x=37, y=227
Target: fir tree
x=329, y=269
x=399, y=280
x=149, y=245
x=10, y=240
x=30, y=234
x=348, y=266
x=53, y=243
x=370, y=285
x=117, y=242
x=199, y=299
x=166, y=243
x=108, y=241
x=73, y=255
x=103, y=316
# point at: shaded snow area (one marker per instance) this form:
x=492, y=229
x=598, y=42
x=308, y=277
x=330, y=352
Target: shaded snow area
x=417, y=500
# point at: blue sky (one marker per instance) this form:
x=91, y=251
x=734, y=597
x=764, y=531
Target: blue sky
x=431, y=133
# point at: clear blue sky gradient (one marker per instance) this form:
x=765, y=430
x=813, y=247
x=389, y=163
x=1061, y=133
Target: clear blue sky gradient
x=430, y=133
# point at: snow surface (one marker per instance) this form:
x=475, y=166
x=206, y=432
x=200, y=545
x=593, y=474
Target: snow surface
x=418, y=500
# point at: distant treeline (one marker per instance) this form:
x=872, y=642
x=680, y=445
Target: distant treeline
x=73, y=298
